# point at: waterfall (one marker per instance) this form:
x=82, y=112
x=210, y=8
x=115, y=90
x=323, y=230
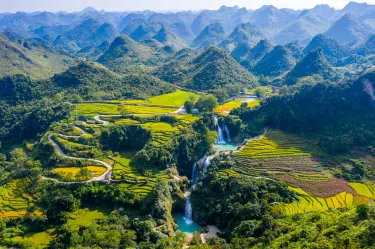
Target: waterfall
x=220, y=137
x=194, y=175
x=206, y=164
x=188, y=211
x=227, y=131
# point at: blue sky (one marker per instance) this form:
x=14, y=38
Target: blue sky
x=123, y=5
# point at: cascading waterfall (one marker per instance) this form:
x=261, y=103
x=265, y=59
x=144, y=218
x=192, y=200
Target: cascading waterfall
x=220, y=137
x=227, y=131
x=194, y=175
x=188, y=218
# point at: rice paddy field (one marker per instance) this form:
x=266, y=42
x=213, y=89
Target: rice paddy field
x=72, y=173
x=161, y=132
x=229, y=106
x=13, y=200
x=176, y=99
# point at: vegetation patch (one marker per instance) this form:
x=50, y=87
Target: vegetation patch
x=229, y=106
x=35, y=240
x=84, y=217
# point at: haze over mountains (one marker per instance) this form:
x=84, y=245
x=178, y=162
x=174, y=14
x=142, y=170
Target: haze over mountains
x=267, y=41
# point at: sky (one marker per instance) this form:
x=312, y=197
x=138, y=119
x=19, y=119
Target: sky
x=158, y=5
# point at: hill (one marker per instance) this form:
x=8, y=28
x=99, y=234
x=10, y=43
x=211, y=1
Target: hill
x=89, y=33
x=341, y=115
x=93, y=81
x=145, y=31
x=246, y=32
x=125, y=54
x=275, y=63
x=348, y=30
x=211, y=69
x=313, y=63
x=332, y=50
x=169, y=38
x=248, y=56
x=302, y=29
x=213, y=34
x=31, y=58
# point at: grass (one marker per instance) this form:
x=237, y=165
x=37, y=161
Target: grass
x=175, y=99
x=161, y=132
x=72, y=172
x=362, y=189
x=228, y=172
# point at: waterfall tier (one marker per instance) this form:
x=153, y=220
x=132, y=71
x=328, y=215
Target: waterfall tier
x=188, y=211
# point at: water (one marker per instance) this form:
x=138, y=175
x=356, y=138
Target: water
x=246, y=99
x=225, y=147
x=185, y=226
x=227, y=131
x=220, y=137
x=194, y=175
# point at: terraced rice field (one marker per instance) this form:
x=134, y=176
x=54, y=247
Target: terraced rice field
x=228, y=172
x=309, y=203
x=280, y=154
x=72, y=173
x=143, y=189
x=161, y=132
x=13, y=202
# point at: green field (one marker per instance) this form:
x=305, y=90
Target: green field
x=229, y=106
x=176, y=99
x=161, y=132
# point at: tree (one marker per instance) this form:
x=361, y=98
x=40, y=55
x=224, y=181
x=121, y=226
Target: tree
x=362, y=211
x=84, y=173
x=189, y=105
x=206, y=103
